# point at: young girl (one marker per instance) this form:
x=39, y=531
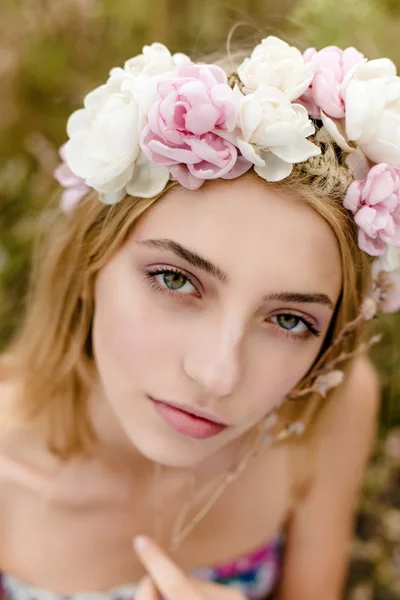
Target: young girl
x=172, y=419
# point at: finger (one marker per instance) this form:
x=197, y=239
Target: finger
x=147, y=590
x=217, y=590
x=171, y=580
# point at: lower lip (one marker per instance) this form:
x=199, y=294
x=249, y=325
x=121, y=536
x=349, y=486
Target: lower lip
x=187, y=424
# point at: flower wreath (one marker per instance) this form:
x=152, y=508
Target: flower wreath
x=163, y=117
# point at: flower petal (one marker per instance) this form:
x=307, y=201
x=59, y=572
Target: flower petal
x=279, y=134
x=185, y=178
x=65, y=177
x=112, y=197
x=364, y=103
x=72, y=196
x=379, y=150
x=148, y=180
x=390, y=261
x=352, y=200
x=214, y=150
x=336, y=131
x=358, y=164
x=373, y=69
x=111, y=185
x=240, y=167
x=274, y=168
x=374, y=247
x=299, y=150
x=250, y=153
x=202, y=118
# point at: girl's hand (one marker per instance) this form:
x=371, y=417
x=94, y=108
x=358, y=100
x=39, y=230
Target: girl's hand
x=166, y=578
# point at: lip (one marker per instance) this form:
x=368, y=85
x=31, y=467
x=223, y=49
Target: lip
x=189, y=421
x=197, y=412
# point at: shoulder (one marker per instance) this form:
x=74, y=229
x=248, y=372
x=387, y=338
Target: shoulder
x=339, y=442
x=353, y=408
x=338, y=448
x=346, y=430
x=24, y=460
x=11, y=383
x=8, y=442
x=362, y=381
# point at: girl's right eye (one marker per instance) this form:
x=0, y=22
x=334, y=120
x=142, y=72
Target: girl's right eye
x=170, y=280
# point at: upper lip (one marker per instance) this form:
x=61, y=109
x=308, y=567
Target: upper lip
x=197, y=412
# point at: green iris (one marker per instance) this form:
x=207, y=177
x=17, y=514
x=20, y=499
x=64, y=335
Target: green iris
x=174, y=281
x=288, y=321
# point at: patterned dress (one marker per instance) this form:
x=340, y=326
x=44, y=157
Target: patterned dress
x=255, y=575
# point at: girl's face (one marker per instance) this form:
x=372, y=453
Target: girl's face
x=220, y=302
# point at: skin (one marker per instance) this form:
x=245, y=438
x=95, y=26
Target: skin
x=216, y=343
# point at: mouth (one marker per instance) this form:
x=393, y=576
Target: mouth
x=189, y=421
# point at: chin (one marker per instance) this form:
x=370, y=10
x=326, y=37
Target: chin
x=173, y=450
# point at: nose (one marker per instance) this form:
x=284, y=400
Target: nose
x=214, y=360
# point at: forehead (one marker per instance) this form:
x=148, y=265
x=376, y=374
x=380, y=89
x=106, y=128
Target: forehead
x=247, y=227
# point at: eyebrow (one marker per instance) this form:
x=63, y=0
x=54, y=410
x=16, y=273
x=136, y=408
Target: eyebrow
x=207, y=266
x=191, y=257
x=301, y=298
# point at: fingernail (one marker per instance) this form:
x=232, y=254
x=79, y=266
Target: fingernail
x=141, y=542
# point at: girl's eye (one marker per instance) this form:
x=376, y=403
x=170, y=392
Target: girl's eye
x=290, y=323
x=171, y=280
x=294, y=324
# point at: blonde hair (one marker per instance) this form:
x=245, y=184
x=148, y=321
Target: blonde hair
x=52, y=351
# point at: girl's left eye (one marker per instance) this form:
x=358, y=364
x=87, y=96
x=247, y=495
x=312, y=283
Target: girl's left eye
x=294, y=324
x=170, y=280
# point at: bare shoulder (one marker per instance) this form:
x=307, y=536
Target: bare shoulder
x=347, y=427
x=338, y=446
x=23, y=458
x=8, y=442
x=355, y=403
x=10, y=387
x=362, y=380
x=343, y=436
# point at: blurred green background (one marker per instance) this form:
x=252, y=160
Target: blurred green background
x=52, y=52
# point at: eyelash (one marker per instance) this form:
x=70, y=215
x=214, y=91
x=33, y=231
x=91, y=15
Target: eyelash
x=151, y=275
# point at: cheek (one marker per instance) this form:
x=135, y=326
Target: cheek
x=275, y=370
x=132, y=339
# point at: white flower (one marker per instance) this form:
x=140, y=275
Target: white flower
x=273, y=133
x=325, y=383
x=372, y=122
x=276, y=64
x=103, y=148
x=390, y=261
x=368, y=308
x=154, y=60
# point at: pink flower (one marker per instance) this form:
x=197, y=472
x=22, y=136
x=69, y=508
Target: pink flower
x=325, y=91
x=75, y=187
x=375, y=204
x=193, y=107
